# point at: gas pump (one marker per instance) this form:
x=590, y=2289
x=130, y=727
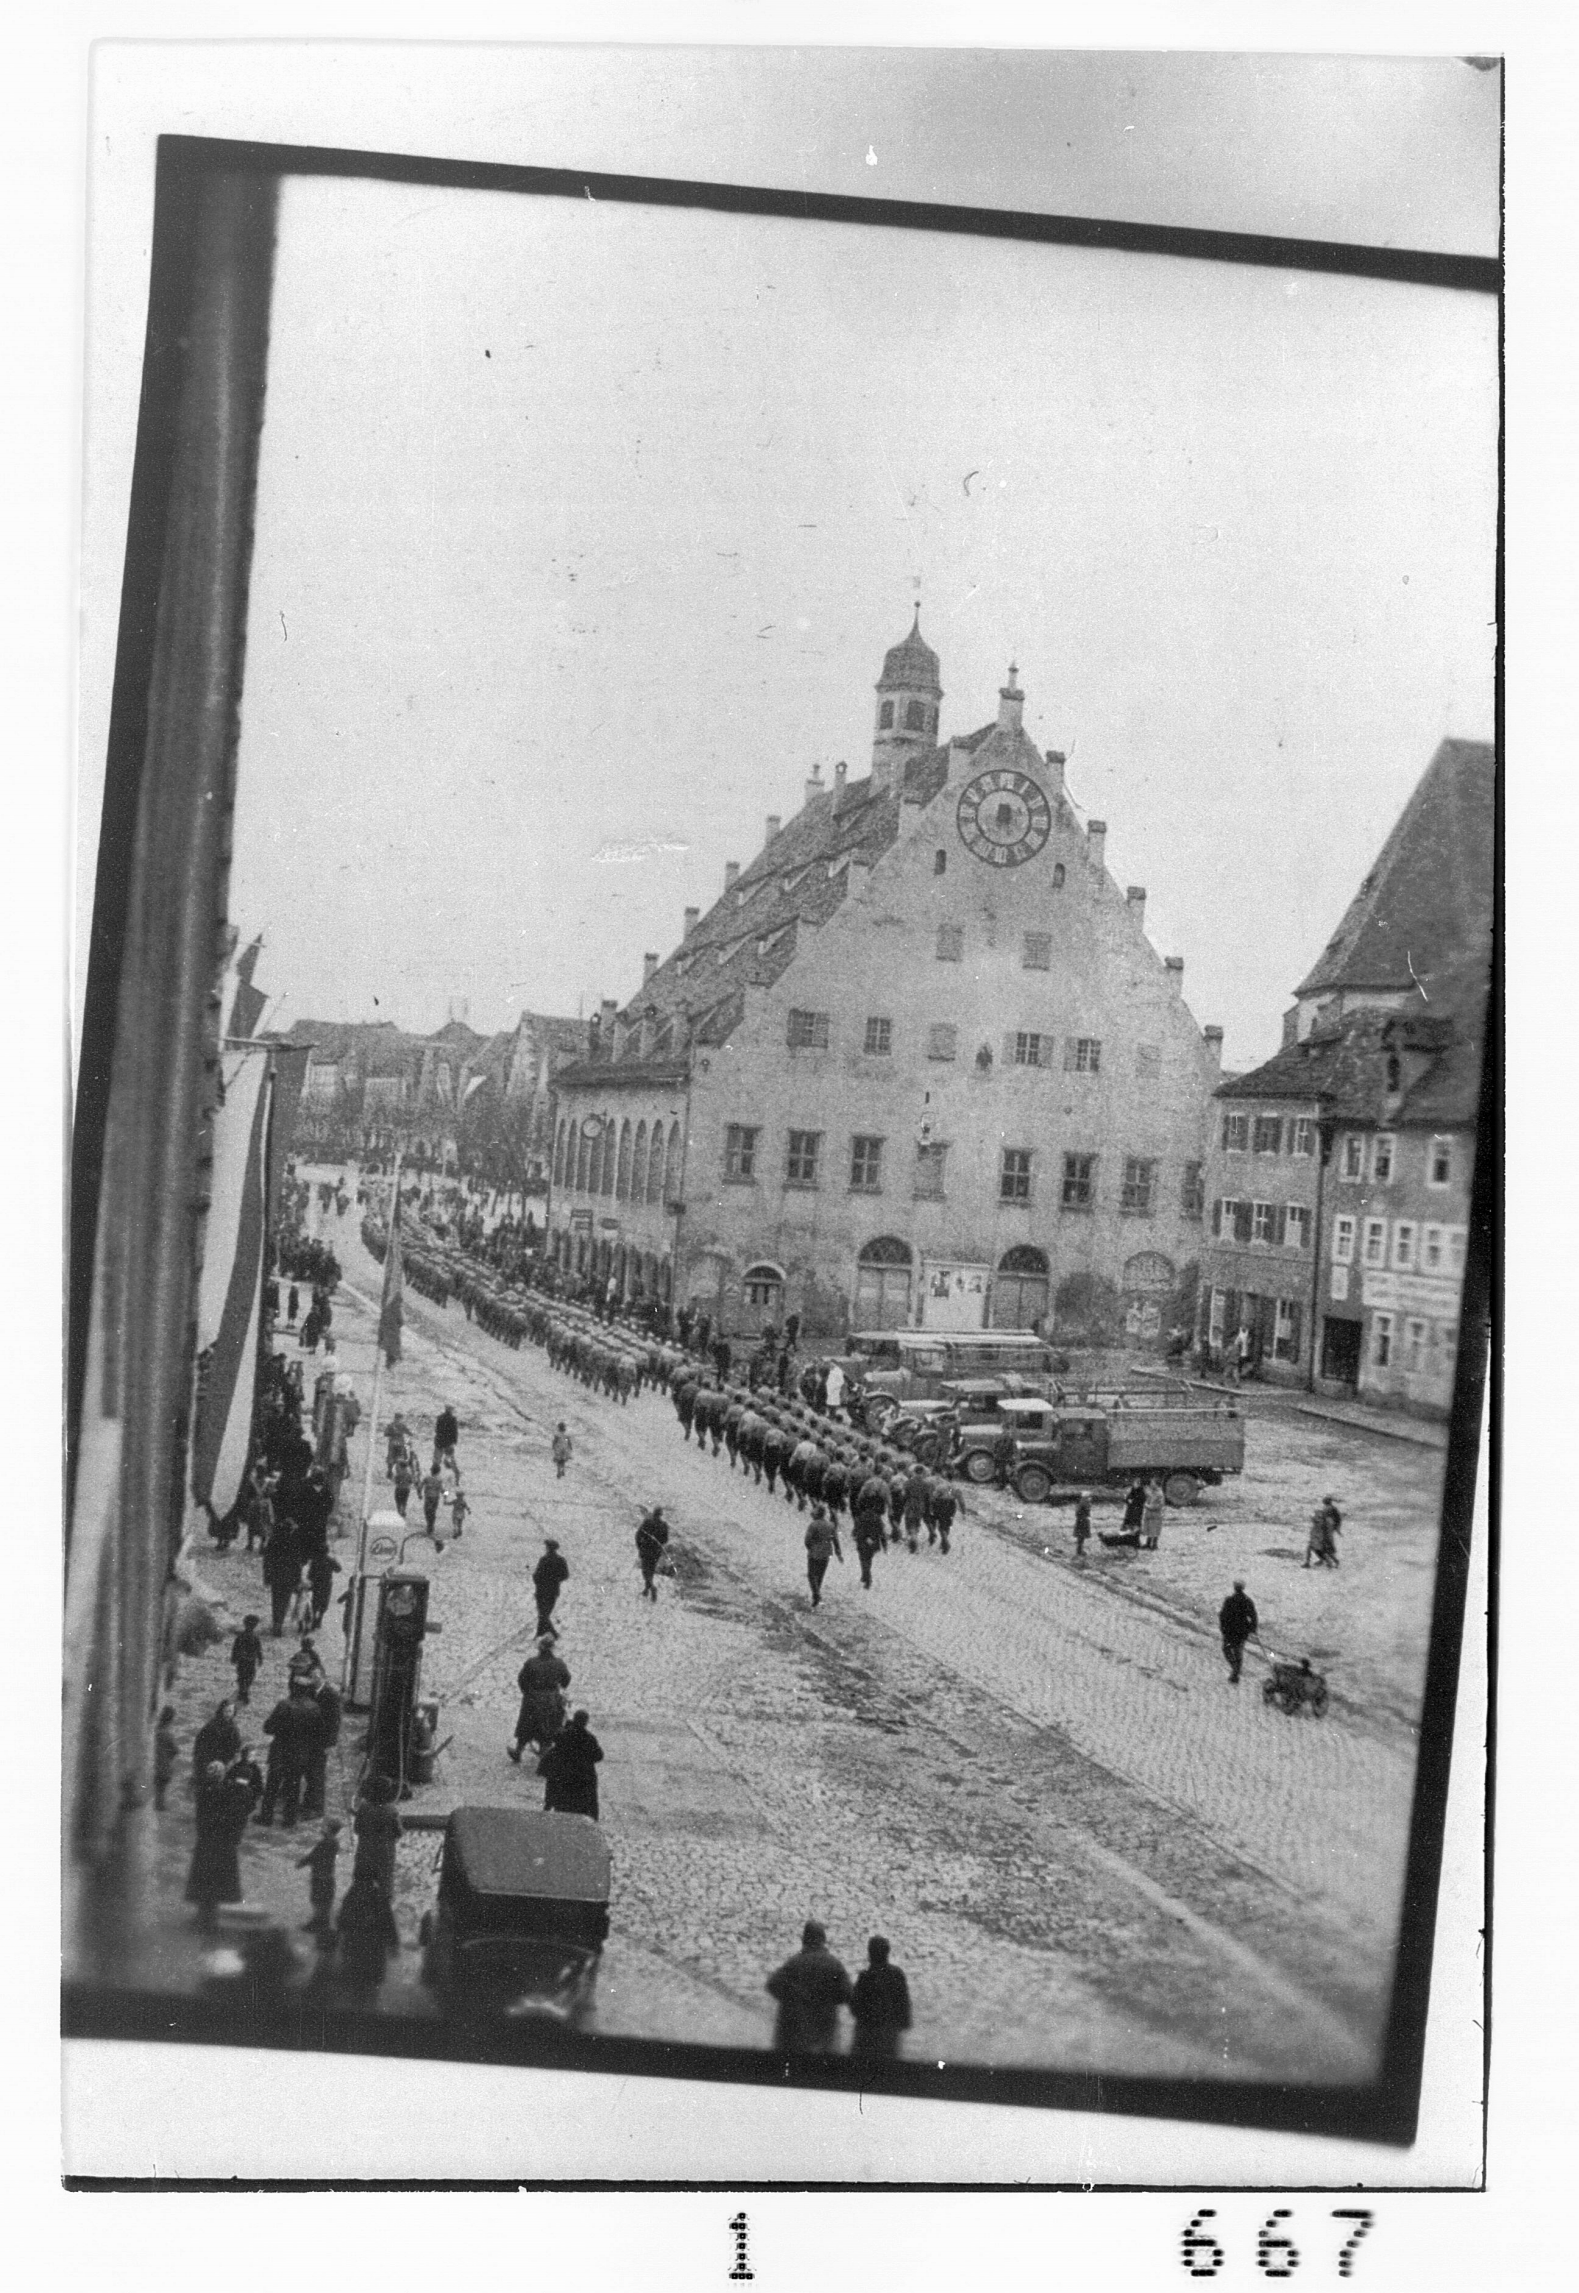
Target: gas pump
x=401, y=1627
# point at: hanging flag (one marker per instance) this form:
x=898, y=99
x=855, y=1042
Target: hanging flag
x=392, y=1309
x=244, y=1001
x=232, y=1281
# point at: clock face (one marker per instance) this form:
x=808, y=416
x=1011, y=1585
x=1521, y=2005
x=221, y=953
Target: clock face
x=1004, y=818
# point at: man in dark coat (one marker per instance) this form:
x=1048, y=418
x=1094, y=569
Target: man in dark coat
x=810, y=1989
x=942, y=1505
x=569, y=1769
x=868, y=1544
x=282, y=1569
x=651, y=1537
x=822, y=1545
x=542, y=1680
x=218, y=1739
x=549, y=1574
x=1237, y=1620
x=881, y=2004
x=446, y=1432
x=295, y=1731
x=327, y=1699
x=215, y=1873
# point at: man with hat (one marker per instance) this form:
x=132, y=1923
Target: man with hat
x=549, y=1574
x=810, y=1989
x=651, y=1537
x=542, y=1680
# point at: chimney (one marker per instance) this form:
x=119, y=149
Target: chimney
x=693, y=917
x=839, y=771
x=649, y=1031
x=1011, y=702
x=649, y=964
x=1174, y=967
x=731, y=871
x=1135, y=901
x=775, y=823
x=606, y=1011
x=1212, y=1037
x=814, y=785
x=1054, y=760
x=1096, y=841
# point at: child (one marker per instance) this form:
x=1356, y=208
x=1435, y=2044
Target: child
x=320, y=1862
x=246, y=1653
x=459, y=1510
x=403, y=1483
x=559, y=1450
x=167, y=1754
x=1082, y=1525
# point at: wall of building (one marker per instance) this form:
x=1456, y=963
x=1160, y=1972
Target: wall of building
x=612, y=1202
x=1392, y=1257
x=878, y=958
x=1259, y=1259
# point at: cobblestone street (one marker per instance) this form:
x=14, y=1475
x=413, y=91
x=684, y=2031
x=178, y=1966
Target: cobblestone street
x=1031, y=1773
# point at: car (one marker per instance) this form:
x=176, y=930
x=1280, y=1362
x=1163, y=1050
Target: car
x=522, y=1916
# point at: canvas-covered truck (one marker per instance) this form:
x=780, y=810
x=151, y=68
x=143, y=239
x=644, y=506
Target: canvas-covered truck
x=1127, y=1435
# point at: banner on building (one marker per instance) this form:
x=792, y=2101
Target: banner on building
x=230, y=1294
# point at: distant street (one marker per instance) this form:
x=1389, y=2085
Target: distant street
x=1031, y=1774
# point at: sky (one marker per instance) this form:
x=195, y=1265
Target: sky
x=583, y=529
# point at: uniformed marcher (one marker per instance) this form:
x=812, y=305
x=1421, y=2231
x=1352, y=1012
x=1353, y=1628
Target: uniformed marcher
x=822, y=1545
x=549, y=1574
x=1237, y=1621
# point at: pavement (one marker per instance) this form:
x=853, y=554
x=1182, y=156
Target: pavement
x=1029, y=1771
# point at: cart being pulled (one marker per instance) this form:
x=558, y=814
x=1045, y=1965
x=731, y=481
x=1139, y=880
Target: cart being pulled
x=1294, y=1686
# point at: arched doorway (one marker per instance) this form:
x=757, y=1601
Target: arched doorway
x=882, y=1284
x=1149, y=1281
x=763, y=1288
x=1019, y=1290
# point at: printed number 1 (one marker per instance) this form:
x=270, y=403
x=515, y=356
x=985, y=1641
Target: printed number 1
x=742, y=2271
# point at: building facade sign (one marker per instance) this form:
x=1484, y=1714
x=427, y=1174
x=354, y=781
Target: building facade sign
x=954, y=1297
x=1411, y=1294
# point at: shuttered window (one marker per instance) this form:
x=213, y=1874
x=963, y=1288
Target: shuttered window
x=808, y=1031
x=951, y=944
x=1023, y=1049
x=1038, y=953
x=942, y=1041
x=1082, y=1054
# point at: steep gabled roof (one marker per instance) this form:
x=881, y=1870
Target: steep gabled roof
x=1343, y=1069
x=1422, y=917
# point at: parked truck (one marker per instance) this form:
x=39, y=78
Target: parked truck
x=1188, y=1441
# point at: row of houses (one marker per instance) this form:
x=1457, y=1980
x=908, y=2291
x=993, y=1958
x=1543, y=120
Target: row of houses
x=920, y=1065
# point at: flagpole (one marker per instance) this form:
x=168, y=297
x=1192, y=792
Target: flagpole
x=354, y=1619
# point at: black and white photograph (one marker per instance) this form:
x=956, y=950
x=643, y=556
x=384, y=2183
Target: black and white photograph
x=784, y=1183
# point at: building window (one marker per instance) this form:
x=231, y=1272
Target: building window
x=1433, y=1250
x=1382, y=1157
x=1236, y=1134
x=1414, y=1344
x=1296, y=1226
x=1140, y=1184
x=1439, y=1163
x=866, y=1166
x=1058, y=875
x=764, y=1286
x=1263, y=1221
x=1192, y=1191
x=885, y=717
x=1014, y=1175
x=1382, y=1342
x=951, y=943
x=1148, y=1062
x=1080, y=1172
x=1404, y=1237
x=1267, y=1134
x=808, y=1031
x=942, y=1041
x=1038, y=952
x=940, y=862
x=1302, y=1135
x=915, y=716
x=1343, y=1241
x=1374, y=1251
x=930, y=1162
x=1447, y=1345
x=1352, y=1164
x=1030, y=1050
x=800, y=1167
x=879, y=1038
x=1083, y=1054
x=1455, y=1249
x=740, y=1154
x=1285, y=1331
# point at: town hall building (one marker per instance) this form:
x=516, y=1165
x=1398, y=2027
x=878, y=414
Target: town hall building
x=919, y=1066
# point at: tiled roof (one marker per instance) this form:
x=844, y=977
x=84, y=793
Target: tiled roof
x=911, y=663
x=1343, y=1070
x=1422, y=917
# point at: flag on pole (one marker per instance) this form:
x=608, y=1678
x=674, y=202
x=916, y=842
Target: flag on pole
x=391, y=1309
x=231, y=1290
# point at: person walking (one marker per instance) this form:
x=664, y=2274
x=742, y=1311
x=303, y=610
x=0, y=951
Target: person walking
x=378, y=1828
x=246, y=1654
x=562, y=1447
x=214, y=1875
x=914, y=1507
x=550, y=1573
x=880, y=2004
x=294, y=1729
x=293, y=1300
x=397, y=1436
x=432, y=1498
x=218, y=1738
x=319, y=1863
x=459, y=1509
x=282, y=1570
x=822, y=1545
x=1135, y=1512
x=1326, y=1524
x=1237, y=1621
x=810, y=1988
x=446, y=1433
x=651, y=1538
x=1151, y=1516
x=167, y=1754
x=542, y=1680
x=405, y=1481
x=868, y=1544
x=569, y=1769
x=322, y=1569
x=942, y=1505
x=315, y=1786
x=1082, y=1523
x=367, y=1932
